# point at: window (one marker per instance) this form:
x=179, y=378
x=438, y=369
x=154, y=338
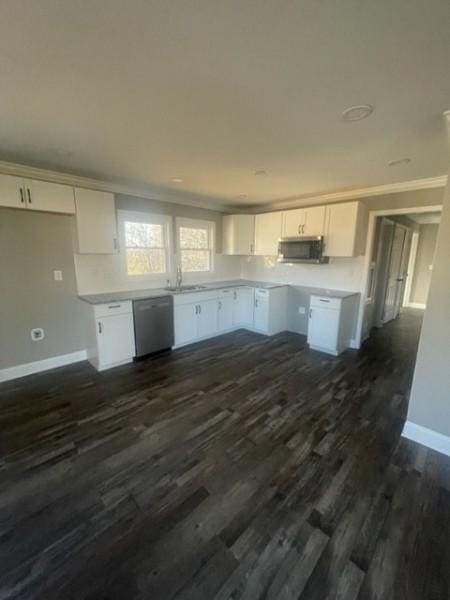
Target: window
x=195, y=243
x=145, y=240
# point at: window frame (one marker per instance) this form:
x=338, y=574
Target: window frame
x=151, y=219
x=210, y=226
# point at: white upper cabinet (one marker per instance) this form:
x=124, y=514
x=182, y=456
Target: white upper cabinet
x=304, y=222
x=238, y=234
x=12, y=192
x=267, y=233
x=96, y=225
x=50, y=197
x=34, y=194
x=345, y=230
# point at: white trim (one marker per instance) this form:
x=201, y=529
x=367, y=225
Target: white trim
x=427, y=437
x=411, y=266
x=373, y=215
x=149, y=192
x=42, y=365
x=420, y=305
x=377, y=190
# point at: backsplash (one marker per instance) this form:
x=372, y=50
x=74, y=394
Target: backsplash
x=340, y=274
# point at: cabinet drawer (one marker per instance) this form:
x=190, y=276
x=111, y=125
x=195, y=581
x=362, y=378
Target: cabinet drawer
x=261, y=293
x=113, y=308
x=226, y=293
x=195, y=297
x=326, y=302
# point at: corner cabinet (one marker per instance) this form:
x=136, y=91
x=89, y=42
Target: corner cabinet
x=345, y=229
x=96, y=225
x=33, y=194
x=238, y=234
x=267, y=233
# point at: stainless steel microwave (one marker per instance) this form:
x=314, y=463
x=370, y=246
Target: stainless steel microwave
x=302, y=250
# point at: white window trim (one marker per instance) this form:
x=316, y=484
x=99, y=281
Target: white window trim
x=146, y=217
x=200, y=223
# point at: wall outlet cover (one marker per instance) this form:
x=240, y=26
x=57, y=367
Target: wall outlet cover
x=57, y=275
x=37, y=334
x=302, y=310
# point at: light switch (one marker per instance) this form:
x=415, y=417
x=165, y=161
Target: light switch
x=57, y=275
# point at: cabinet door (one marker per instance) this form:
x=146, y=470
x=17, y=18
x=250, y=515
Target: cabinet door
x=225, y=318
x=294, y=222
x=340, y=235
x=261, y=318
x=95, y=222
x=238, y=234
x=315, y=221
x=115, y=338
x=243, y=307
x=323, y=328
x=12, y=192
x=267, y=233
x=185, y=317
x=207, y=318
x=50, y=197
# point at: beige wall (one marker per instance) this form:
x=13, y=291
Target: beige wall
x=429, y=404
x=32, y=245
x=424, y=260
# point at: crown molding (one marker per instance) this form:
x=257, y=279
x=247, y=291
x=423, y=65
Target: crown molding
x=378, y=190
x=148, y=192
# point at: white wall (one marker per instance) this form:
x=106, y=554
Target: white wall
x=339, y=274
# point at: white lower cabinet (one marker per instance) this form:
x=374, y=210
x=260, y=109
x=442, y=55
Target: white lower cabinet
x=196, y=316
x=243, y=306
x=185, y=319
x=111, y=334
x=331, y=323
x=225, y=310
x=207, y=318
x=270, y=310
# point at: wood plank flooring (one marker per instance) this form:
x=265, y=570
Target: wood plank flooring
x=244, y=467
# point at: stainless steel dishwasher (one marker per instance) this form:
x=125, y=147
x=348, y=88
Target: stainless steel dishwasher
x=153, y=324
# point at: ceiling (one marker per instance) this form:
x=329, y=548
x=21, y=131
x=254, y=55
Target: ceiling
x=432, y=218
x=209, y=91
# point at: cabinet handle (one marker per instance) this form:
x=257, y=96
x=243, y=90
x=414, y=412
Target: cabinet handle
x=115, y=243
x=100, y=328
x=299, y=229
x=256, y=302
x=22, y=199
x=199, y=308
x=310, y=313
x=234, y=295
x=114, y=306
x=29, y=195
x=251, y=248
x=220, y=304
x=196, y=309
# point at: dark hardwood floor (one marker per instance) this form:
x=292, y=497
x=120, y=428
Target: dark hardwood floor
x=240, y=468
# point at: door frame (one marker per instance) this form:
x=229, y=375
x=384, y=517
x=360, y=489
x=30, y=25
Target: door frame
x=373, y=215
x=411, y=266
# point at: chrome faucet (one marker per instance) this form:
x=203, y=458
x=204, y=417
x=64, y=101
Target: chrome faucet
x=179, y=279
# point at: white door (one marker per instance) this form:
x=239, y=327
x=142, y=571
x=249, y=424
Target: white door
x=243, y=307
x=323, y=328
x=225, y=317
x=267, y=233
x=12, y=192
x=294, y=222
x=207, y=318
x=96, y=222
x=185, y=317
x=394, y=280
x=261, y=318
x=315, y=221
x=115, y=339
x=50, y=197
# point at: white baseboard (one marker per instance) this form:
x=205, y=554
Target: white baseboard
x=416, y=305
x=427, y=437
x=41, y=365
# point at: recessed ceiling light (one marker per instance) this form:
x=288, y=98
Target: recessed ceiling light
x=260, y=172
x=177, y=180
x=358, y=112
x=399, y=162
x=241, y=196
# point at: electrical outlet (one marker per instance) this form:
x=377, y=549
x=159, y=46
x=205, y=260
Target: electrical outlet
x=301, y=310
x=37, y=334
x=57, y=275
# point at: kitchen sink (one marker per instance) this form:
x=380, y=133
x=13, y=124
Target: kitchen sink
x=185, y=288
